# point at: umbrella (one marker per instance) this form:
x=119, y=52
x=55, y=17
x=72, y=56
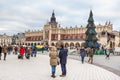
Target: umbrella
x=39, y=46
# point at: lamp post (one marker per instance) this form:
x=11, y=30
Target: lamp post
x=119, y=40
x=2, y=42
x=4, y=38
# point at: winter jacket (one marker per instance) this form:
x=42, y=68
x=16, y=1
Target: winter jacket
x=82, y=52
x=91, y=53
x=0, y=49
x=63, y=56
x=4, y=49
x=87, y=50
x=22, y=51
x=53, y=56
x=29, y=51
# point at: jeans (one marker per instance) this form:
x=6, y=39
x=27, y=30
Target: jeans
x=53, y=68
x=5, y=56
x=34, y=53
x=63, y=67
x=82, y=59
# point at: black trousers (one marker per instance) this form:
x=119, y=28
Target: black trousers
x=0, y=55
x=63, y=68
x=5, y=55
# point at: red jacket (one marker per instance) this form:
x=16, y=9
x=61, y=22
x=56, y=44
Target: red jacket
x=22, y=51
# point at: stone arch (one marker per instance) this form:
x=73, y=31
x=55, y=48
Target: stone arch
x=66, y=44
x=77, y=44
x=25, y=43
x=31, y=44
x=38, y=44
x=35, y=44
x=118, y=44
x=59, y=43
x=82, y=44
x=53, y=43
x=113, y=45
x=28, y=44
x=71, y=44
x=42, y=43
x=56, y=45
x=45, y=43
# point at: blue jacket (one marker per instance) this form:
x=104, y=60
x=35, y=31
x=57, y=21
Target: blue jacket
x=63, y=56
x=82, y=52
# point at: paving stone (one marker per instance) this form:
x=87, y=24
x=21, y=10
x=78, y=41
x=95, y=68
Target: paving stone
x=39, y=69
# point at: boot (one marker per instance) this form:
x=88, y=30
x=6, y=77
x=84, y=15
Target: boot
x=53, y=75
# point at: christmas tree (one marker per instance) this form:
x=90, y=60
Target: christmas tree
x=91, y=39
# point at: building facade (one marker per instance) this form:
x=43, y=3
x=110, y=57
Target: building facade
x=52, y=32
x=5, y=39
x=18, y=39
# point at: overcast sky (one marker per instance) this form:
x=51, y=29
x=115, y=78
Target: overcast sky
x=20, y=15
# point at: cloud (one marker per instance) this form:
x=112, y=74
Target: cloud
x=33, y=14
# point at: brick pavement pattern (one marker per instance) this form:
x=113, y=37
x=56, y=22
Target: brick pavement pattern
x=39, y=69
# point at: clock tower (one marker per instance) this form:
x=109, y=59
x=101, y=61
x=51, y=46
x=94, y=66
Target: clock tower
x=53, y=22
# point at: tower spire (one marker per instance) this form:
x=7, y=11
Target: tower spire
x=53, y=19
x=53, y=14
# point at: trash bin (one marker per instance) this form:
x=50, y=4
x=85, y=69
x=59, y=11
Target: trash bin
x=101, y=52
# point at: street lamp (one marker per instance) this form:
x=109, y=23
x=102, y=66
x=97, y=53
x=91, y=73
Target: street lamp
x=2, y=42
x=4, y=38
x=119, y=40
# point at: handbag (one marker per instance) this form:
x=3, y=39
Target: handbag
x=58, y=61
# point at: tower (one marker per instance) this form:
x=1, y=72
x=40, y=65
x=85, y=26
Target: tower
x=53, y=22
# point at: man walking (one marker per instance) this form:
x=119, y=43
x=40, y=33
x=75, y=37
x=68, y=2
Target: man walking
x=107, y=52
x=82, y=54
x=91, y=54
x=5, y=51
x=63, y=60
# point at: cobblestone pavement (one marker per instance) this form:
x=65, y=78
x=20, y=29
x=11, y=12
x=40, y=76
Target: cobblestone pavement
x=39, y=69
x=113, y=64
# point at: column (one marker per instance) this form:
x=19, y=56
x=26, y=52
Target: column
x=59, y=38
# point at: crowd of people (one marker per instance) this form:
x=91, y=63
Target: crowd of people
x=21, y=50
